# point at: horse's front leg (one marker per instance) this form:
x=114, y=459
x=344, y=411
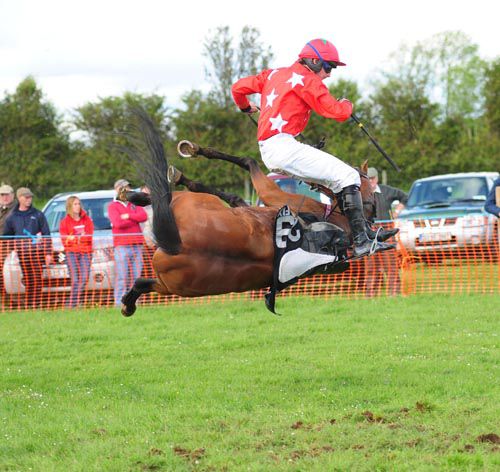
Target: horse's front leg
x=268, y=191
x=140, y=287
x=180, y=179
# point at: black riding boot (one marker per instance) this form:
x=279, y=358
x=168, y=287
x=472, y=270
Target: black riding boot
x=381, y=234
x=352, y=206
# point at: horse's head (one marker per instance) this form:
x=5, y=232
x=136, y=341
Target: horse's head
x=367, y=194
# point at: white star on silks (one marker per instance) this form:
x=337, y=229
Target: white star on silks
x=271, y=74
x=277, y=123
x=295, y=79
x=270, y=98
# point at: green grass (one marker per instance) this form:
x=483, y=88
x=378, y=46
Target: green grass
x=388, y=384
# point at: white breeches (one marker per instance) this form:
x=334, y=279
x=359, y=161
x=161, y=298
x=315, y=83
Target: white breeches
x=282, y=153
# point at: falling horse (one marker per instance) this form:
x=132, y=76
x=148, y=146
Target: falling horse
x=204, y=246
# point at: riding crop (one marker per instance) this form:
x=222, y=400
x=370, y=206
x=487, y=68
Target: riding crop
x=377, y=145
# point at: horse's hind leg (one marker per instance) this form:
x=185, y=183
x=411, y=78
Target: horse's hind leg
x=140, y=287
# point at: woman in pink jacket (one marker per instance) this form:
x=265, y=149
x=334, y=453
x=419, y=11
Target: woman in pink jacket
x=76, y=230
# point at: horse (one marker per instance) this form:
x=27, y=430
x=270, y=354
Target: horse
x=205, y=247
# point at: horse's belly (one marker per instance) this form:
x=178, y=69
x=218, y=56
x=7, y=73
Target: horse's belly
x=199, y=275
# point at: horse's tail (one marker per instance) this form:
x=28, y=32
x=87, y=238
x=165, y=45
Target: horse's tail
x=149, y=156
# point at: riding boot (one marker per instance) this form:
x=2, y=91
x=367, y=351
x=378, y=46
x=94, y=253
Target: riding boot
x=353, y=209
x=381, y=233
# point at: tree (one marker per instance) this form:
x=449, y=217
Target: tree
x=34, y=150
x=448, y=67
x=492, y=96
x=106, y=125
x=205, y=122
x=212, y=119
x=226, y=64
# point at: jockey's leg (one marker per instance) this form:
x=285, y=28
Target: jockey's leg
x=283, y=152
x=353, y=210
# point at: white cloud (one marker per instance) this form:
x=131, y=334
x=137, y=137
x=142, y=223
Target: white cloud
x=78, y=51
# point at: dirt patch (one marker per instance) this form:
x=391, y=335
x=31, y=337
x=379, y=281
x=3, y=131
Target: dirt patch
x=489, y=438
x=358, y=447
x=156, y=452
x=423, y=407
x=187, y=454
x=371, y=418
x=469, y=448
x=148, y=466
x=393, y=426
x=413, y=443
x=313, y=452
x=308, y=427
x=99, y=431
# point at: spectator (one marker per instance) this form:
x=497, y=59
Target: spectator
x=385, y=262
x=147, y=226
x=7, y=204
x=76, y=230
x=492, y=204
x=127, y=239
x=33, y=244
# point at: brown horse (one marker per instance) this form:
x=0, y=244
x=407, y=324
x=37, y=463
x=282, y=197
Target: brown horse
x=205, y=247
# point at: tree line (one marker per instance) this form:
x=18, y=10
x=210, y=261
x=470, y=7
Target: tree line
x=434, y=109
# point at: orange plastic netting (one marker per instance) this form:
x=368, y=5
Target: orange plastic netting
x=28, y=282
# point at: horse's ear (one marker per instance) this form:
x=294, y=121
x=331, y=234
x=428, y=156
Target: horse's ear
x=364, y=167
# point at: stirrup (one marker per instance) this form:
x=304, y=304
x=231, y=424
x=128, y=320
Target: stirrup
x=375, y=246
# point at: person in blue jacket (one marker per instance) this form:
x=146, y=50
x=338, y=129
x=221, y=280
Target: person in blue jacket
x=492, y=204
x=30, y=233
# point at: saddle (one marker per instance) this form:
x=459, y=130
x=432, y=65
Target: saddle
x=304, y=246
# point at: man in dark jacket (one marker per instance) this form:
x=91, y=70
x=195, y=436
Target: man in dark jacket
x=30, y=231
x=7, y=204
x=492, y=204
x=385, y=196
x=386, y=263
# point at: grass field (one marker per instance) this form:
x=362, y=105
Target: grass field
x=388, y=384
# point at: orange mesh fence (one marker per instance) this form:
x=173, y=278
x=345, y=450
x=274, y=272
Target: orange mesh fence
x=432, y=265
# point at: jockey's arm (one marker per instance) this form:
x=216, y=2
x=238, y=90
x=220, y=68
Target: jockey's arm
x=318, y=97
x=248, y=86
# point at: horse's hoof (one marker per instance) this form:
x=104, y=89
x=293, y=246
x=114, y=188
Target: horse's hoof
x=187, y=149
x=128, y=311
x=174, y=175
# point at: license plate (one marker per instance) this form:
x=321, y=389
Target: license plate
x=434, y=237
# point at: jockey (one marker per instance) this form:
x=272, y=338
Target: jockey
x=288, y=95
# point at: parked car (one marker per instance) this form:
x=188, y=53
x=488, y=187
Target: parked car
x=56, y=276
x=291, y=185
x=446, y=212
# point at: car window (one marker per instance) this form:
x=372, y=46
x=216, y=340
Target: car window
x=290, y=185
x=448, y=190
x=96, y=208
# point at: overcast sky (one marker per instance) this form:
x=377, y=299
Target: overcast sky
x=79, y=51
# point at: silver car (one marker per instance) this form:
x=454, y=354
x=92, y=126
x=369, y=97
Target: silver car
x=56, y=276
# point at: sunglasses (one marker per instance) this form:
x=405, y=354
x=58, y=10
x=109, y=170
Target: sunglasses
x=329, y=65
